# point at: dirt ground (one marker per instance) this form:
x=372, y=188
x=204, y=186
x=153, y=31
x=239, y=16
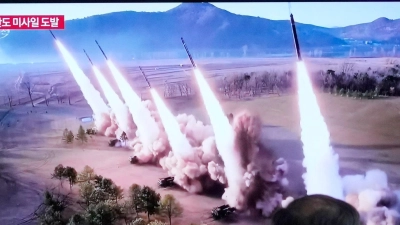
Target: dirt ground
x=365, y=133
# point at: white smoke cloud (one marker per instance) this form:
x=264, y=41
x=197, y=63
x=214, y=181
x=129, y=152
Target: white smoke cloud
x=236, y=146
x=257, y=186
x=372, y=197
x=320, y=160
x=188, y=169
x=111, y=130
x=120, y=111
x=150, y=151
x=373, y=179
x=148, y=130
x=228, y=154
x=285, y=202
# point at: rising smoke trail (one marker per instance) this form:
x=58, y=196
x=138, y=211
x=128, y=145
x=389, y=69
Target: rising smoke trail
x=224, y=139
x=320, y=161
x=147, y=126
x=116, y=104
x=91, y=95
x=178, y=141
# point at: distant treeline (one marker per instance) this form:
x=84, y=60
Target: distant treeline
x=365, y=50
x=356, y=83
x=343, y=81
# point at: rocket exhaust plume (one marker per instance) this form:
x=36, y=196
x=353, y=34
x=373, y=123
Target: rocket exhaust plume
x=320, y=161
x=147, y=126
x=116, y=104
x=113, y=99
x=296, y=40
x=224, y=138
x=178, y=141
x=91, y=95
x=145, y=123
x=369, y=194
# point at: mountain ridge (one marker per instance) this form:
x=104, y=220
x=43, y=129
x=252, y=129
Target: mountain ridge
x=207, y=29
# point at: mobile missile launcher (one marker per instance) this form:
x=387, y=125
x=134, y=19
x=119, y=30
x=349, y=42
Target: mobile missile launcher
x=166, y=182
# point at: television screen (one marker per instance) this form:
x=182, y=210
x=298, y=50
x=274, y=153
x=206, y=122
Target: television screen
x=200, y=113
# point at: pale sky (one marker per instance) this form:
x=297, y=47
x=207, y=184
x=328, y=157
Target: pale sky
x=326, y=14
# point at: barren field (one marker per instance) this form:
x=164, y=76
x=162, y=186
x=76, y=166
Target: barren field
x=365, y=134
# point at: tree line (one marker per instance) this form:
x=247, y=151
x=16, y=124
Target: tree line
x=344, y=81
x=103, y=202
x=68, y=135
x=368, y=84
x=255, y=84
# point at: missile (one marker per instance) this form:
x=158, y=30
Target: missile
x=296, y=40
x=144, y=75
x=187, y=51
x=88, y=57
x=101, y=50
x=53, y=35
